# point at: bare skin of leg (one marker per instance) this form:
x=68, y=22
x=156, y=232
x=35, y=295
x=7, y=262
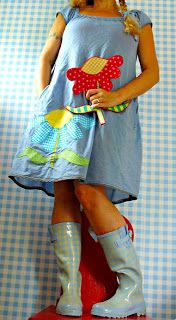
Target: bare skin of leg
x=66, y=205
x=102, y=214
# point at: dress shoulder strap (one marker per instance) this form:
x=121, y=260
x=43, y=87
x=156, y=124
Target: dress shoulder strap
x=67, y=12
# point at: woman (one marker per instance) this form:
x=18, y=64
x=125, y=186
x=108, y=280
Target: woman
x=84, y=144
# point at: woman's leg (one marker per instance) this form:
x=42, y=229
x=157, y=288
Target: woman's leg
x=113, y=235
x=101, y=213
x=66, y=205
x=65, y=233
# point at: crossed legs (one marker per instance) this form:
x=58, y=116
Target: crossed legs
x=101, y=213
x=109, y=226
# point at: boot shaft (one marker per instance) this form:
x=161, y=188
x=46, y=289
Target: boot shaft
x=66, y=239
x=122, y=259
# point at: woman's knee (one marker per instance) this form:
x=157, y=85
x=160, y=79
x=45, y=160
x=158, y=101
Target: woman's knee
x=88, y=194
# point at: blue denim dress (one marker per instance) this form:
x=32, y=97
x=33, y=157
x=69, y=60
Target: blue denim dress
x=65, y=139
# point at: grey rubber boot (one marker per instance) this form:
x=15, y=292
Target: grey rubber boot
x=122, y=259
x=66, y=237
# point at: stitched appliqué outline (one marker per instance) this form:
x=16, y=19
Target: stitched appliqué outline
x=48, y=130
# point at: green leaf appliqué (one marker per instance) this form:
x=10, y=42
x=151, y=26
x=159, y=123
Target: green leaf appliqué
x=33, y=155
x=68, y=155
x=73, y=157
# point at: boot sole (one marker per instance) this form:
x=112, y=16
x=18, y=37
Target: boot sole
x=138, y=309
x=69, y=310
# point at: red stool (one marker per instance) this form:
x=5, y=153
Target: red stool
x=98, y=281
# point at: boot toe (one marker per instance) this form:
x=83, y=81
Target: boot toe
x=104, y=311
x=69, y=310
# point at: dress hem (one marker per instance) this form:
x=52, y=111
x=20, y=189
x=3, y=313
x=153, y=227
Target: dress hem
x=130, y=198
x=44, y=180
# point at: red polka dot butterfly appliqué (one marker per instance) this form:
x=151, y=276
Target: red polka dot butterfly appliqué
x=95, y=73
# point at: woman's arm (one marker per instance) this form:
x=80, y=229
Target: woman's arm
x=146, y=80
x=149, y=66
x=49, y=54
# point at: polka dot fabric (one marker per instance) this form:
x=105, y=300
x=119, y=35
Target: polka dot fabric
x=87, y=78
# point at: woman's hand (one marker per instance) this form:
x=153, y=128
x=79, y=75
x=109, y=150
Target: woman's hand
x=103, y=98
